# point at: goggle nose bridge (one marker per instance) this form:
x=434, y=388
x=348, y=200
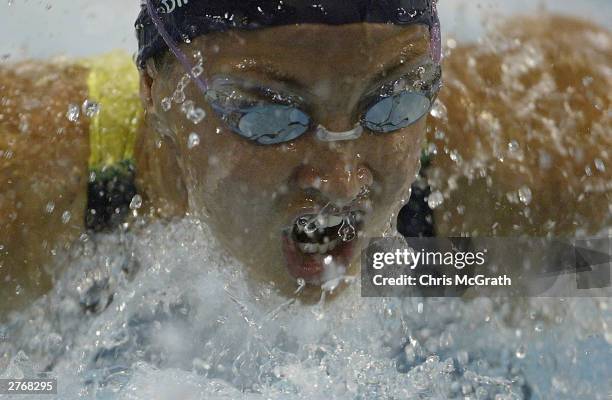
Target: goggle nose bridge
x=325, y=135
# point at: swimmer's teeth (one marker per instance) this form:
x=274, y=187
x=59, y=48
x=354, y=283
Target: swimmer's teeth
x=313, y=228
x=309, y=248
x=312, y=248
x=319, y=223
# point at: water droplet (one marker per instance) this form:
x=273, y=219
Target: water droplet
x=66, y=215
x=301, y=285
x=24, y=125
x=440, y=135
x=193, y=141
x=513, y=146
x=463, y=357
x=197, y=70
x=524, y=194
x=166, y=104
x=73, y=113
x=438, y=110
x=599, y=164
x=196, y=115
x=187, y=106
x=310, y=228
x=136, y=202
x=521, y=352
x=347, y=230
x=50, y=207
x=435, y=199
x=466, y=388
x=455, y=156
x=90, y=108
x=179, y=96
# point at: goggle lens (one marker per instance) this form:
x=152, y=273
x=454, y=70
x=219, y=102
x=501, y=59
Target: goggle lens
x=272, y=124
x=396, y=112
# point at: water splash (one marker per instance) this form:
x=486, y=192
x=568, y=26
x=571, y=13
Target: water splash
x=165, y=311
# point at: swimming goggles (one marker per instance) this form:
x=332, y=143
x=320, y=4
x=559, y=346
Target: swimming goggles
x=268, y=118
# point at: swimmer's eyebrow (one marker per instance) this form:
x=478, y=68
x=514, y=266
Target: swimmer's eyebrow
x=411, y=57
x=267, y=70
x=395, y=70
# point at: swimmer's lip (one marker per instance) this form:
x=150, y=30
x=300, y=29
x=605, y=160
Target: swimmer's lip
x=309, y=267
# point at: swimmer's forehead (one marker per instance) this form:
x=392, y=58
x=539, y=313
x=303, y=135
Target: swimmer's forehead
x=292, y=51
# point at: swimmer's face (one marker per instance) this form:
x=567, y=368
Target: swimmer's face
x=259, y=199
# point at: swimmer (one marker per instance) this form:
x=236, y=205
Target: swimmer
x=295, y=132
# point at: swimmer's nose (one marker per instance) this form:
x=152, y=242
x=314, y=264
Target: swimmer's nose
x=339, y=181
x=339, y=122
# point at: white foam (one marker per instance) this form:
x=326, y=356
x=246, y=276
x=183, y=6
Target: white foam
x=182, y=323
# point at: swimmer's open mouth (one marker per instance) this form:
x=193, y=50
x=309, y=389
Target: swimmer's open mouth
x=319, y=240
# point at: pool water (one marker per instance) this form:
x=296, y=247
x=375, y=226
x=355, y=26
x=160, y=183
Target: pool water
x=134, y=317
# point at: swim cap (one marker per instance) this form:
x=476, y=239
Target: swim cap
x=184, y=20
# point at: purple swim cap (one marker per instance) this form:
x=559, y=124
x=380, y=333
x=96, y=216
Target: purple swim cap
x=183, y=20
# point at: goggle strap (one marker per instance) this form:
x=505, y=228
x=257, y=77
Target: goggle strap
x=174, y=47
